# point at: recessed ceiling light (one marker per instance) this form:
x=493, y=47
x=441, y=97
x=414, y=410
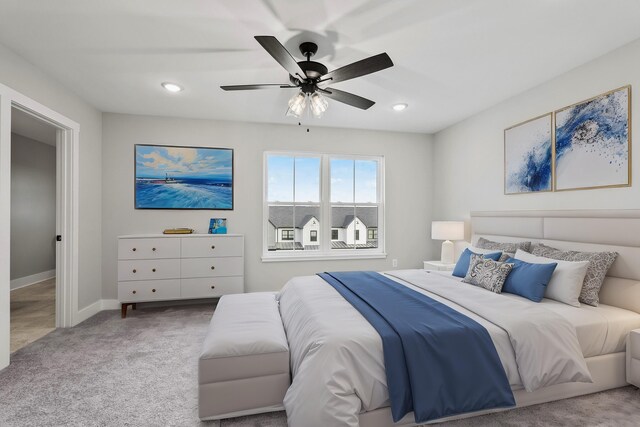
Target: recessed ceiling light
x=171, y=87
x=400, y=107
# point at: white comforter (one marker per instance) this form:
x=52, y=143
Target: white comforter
x=337, y=360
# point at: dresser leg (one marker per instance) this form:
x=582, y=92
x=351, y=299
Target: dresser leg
x=123, y=310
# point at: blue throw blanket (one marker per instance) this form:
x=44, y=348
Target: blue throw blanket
x=438, y=361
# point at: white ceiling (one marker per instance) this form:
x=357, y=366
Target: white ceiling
x=30, y=127
x=453, y=58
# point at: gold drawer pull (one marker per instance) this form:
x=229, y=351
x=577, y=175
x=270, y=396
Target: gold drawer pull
x=154, y=270
x=134, y=249
x=153, y=249
x=212, y=267
x=153, y=290
x=133, y=292
x=213, y=287
x=213, y=246
x=134, y=270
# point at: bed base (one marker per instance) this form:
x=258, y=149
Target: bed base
x=608, y=372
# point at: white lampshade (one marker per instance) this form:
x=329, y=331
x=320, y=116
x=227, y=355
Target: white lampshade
x=447, y=230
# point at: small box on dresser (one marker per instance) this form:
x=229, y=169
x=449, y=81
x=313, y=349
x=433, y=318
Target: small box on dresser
x=174, y=267
x=633, y=358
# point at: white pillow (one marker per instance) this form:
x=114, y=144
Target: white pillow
x=481, y=251
x=566, y=281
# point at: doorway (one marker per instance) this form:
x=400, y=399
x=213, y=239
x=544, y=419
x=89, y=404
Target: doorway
x=67, y=212
x=33, y=228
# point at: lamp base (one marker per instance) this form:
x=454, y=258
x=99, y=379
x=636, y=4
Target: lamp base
x=446, y=255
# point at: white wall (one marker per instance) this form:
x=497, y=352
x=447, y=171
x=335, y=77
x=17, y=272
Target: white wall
x=33, y=207
x=27, y=79
x=469, y=156
x=408, y=188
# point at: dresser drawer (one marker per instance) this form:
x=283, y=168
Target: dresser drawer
x=211, y=287
x=212, y=267
x=148, y=248
x=146, y=269
x=148, y=290
x=206, y=247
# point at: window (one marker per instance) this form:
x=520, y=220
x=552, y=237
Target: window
x=287, y=234
x=356, y=200
x=321, y=205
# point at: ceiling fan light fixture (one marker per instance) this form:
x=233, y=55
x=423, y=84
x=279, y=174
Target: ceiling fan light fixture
x=400, y=107
x=318, y=105
x=172, y=87
x=297, y=104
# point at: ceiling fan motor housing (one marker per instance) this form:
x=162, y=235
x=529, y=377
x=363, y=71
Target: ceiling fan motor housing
x=313, y=70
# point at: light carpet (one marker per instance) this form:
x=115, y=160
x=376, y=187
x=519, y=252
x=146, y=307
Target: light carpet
x=142, y=371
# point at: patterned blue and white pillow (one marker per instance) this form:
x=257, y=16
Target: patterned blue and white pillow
x=510, y=248
x=487, y=273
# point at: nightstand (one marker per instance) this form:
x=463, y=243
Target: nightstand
x=633, y=358
x=438, y=266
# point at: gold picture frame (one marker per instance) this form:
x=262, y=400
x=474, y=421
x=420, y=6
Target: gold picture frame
x=587, y=127
x=528, y=143
x=583, y=149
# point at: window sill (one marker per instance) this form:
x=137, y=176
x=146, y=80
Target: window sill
x=323, y=257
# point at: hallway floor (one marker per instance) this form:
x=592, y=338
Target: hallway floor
x=33, y=313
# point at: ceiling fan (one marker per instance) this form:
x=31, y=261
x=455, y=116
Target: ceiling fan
x=311, y=78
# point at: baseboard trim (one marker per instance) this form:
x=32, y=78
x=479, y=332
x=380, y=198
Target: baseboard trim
x=21, y=282
x=110, y=304
x=88, y=311
x=97, y=307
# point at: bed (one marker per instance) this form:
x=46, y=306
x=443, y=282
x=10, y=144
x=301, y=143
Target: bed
x=338, y=373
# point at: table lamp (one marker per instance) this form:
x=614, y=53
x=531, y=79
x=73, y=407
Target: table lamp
x=447, y=231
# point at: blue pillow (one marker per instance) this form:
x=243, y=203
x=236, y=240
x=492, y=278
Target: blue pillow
x=528, y=280
x=462, y=266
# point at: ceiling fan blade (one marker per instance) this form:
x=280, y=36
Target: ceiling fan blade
x=254, y=87
x=282, y=55
x=359, y=68
x=347, y=98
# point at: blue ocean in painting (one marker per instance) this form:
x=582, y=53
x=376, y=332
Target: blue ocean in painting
x=598, y=126
x=183, y=194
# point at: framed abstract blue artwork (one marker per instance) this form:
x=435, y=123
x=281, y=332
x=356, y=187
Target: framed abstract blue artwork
x=528, y=156
x=593, y=142
x=170, y=177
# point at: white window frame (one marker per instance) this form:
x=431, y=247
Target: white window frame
x=324, y=236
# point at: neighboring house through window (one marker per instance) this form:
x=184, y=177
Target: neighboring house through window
x=321, y=205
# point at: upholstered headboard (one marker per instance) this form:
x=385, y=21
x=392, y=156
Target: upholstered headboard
x=583, y=230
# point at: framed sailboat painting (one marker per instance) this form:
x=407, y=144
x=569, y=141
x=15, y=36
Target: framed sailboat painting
x=176, y=177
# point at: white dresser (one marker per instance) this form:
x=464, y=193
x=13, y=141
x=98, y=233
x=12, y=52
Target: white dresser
x=159, y=267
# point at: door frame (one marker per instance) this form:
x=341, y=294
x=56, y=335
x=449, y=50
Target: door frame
x=67, y=211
